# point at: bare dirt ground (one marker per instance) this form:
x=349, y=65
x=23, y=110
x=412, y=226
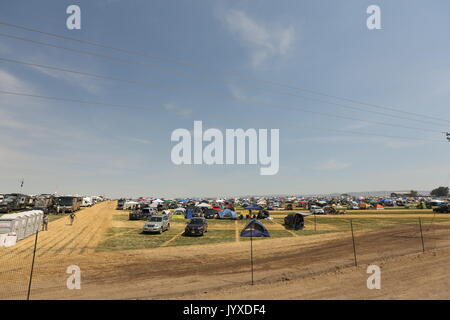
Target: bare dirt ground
x=303, y=267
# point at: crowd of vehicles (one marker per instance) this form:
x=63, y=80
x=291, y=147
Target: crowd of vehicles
x=48, y=203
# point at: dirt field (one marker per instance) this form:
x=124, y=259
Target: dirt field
x=297, y=267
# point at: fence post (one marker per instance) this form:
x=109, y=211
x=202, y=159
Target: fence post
x=251, y=250
x=353, y=240
x=421, y=234
x=32, y=263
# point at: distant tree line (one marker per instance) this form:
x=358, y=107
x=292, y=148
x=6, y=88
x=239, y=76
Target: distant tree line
x=440, y=192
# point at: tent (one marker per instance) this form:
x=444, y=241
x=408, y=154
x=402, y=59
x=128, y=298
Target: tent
x=179, y=211
x=253, y=207
x=203, y=205
x=294, y=221
x=227, y=214
x=379, y=207
x=255, y=229
x=189, y=212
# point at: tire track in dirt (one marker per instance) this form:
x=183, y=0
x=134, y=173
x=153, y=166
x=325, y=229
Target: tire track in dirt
x=58, y=237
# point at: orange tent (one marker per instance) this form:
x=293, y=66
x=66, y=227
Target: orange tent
x=379, y=207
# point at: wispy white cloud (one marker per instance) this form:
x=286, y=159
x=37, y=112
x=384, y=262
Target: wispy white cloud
x=85, y=83
x=10, y=82
x=357, y=125
x=140, y=140
x=333, y=164
x=177, y=109
x=264, y=41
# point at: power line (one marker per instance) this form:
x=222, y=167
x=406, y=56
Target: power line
x=240, y=99
x=160, y=67
x=72, y=100
x=234, y=74
x=145, y=108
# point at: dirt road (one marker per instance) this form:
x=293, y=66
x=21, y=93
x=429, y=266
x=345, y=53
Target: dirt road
x=316, y=266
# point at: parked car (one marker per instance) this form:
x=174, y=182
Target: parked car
x=147, y=213
x=120, y=204
x=210, y=213
x=317, y=211
x=5, y=207
x=135, y=215
x=442, y=209
x=157, y=223
x=196, y=226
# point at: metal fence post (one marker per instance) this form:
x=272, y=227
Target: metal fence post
x=421, y=234
x=353, y=240
x=32, y=263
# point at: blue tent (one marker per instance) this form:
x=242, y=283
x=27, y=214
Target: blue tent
x=227, y=214
x=189, y=213
x=253, y=207
x=255, y=229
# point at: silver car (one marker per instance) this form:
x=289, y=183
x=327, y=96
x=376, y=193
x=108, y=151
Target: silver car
x=157, y=223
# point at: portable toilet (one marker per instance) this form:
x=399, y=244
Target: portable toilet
x=2, y=239
x=21, y=226
x=10, y=239
x=8, y=223
x=30, y=222
x=39, y=217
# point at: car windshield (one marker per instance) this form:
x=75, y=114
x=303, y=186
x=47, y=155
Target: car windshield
x=156, y=219
x=67, y=201
x=196, y=221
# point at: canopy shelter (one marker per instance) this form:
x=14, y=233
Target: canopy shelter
x=154, y=205
x=253, y=207
x=255, y=229
x=203, y=205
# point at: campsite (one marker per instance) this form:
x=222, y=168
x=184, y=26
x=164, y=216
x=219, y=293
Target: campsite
x=104, y=235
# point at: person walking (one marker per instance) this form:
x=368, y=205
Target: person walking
x=45, y=222
x=72, y=218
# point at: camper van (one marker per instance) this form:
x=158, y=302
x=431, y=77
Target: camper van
x=16, y=201
x=45, y=202
x=120, y=204
x=87, y=202
x=68, y=204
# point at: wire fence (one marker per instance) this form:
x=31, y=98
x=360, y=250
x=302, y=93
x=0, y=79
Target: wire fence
x=326, y=244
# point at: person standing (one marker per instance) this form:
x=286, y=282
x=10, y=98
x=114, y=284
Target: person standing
x=45, y=222
x=72, y=218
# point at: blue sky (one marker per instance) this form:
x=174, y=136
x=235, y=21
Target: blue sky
x=319, y=45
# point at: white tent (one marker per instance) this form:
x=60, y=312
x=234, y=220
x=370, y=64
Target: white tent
x=203, y=205
x=157, y=201
x=154, y=205
x=129, y=204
